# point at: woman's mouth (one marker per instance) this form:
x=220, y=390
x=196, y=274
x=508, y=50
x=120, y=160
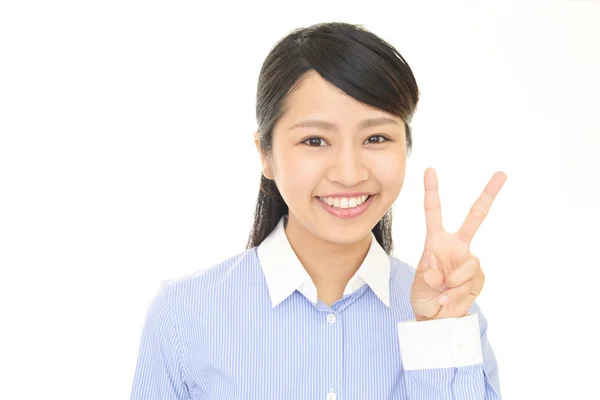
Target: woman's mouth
x=346, y=207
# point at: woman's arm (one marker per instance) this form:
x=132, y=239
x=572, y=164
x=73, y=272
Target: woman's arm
x=160, y=372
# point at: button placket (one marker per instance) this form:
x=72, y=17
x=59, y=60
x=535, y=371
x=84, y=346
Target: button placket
x=333, y=355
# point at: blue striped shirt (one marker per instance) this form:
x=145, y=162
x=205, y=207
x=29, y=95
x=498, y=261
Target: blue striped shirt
x=251, y=327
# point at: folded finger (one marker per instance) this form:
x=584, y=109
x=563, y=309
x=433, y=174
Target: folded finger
x=457, y=295
x=464, y=273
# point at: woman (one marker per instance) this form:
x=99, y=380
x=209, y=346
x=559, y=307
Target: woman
x=316, y=307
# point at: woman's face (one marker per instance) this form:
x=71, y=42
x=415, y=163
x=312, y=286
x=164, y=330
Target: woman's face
x=337, y=159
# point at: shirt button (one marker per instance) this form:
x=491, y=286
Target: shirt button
x=331, y=318
x=331, y=395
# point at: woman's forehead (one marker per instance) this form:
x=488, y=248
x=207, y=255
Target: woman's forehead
x=315, y=99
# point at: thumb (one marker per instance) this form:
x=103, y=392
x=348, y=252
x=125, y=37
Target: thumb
x=433, y=276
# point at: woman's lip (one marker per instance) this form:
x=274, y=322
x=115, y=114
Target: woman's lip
x=347, y=212
x=357, y=194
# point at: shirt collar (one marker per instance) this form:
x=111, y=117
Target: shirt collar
x=284, y=273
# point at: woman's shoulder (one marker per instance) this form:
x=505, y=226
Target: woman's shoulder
x=215, y=276
x=401, y=270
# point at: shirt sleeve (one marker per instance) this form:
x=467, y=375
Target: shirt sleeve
x=160, y=373
x=449, y=358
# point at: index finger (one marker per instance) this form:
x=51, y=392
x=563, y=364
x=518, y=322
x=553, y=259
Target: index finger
x=433, y=208
x=482, y=206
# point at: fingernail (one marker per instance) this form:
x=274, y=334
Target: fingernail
x=445, y=299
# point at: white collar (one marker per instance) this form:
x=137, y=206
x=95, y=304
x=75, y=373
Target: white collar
x=284, y=273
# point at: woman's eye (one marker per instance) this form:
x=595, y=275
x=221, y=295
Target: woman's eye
x=319, y=142
x=314, y=142
x=376, y=139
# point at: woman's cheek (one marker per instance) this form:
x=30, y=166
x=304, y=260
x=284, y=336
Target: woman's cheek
x=389, y=170
x=301, y=172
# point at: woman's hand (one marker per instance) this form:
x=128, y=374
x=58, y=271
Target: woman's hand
x=448, y=277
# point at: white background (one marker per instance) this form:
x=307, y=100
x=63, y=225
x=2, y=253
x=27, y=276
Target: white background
x=126, y=158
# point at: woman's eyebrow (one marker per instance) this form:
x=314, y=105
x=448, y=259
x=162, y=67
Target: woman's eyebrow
x=367, y=123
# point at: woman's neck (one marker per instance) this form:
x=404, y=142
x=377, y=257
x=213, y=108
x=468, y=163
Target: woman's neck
x=330, y=265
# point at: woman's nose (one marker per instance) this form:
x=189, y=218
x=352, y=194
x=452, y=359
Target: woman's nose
x=348, y=168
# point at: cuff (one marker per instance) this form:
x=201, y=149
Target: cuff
x=440, y=343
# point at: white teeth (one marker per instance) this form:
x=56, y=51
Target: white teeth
x=345, y=202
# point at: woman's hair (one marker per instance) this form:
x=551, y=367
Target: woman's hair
x=354, y=60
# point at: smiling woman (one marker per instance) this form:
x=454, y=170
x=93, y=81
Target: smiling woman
x=337, y=158
x=326, y=78
x=316, y=306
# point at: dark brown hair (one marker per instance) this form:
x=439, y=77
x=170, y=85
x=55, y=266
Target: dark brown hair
x=354, y=60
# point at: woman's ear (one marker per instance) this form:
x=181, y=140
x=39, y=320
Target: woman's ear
x=267, y=169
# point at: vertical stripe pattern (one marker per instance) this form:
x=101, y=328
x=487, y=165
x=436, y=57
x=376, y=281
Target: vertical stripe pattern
x=215, y=335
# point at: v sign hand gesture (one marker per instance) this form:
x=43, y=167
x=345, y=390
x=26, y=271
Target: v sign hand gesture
x=448, y=277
